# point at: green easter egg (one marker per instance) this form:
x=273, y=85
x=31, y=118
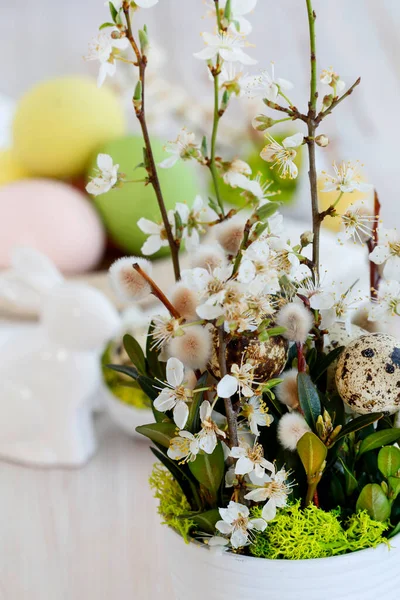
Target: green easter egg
x=122, y=207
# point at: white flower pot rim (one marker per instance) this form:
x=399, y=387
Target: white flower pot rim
x=316, y=561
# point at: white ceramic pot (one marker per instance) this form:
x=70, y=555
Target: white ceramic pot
x=125, y=416
x=198, y=573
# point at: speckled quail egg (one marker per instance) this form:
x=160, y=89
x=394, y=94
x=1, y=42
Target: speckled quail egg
x=368, y=374
x=339, y=335
x=269, y=358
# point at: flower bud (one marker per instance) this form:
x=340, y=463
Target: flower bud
x=327, y=101
x=306, y=238
x=322, y=140
x=116, y=34
x=262, y=122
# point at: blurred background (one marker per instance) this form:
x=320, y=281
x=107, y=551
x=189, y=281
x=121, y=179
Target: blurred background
x=48, y=40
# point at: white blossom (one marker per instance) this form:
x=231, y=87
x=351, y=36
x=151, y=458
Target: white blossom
x=255, y=191
x=387, y=304
x=240, y=380
x=357, y=225
x=146, y=3
x=184, y=148
x=157, y=234
x=207, y=437
x=193, y=221
x=257, y=415
x=104, y=48
x=346, y=179
x=250, y=459
x=271, y=488
x=227, y=45
x=237, y=524
x=235, y=168
x=106, y=176
x=239, y=8
x=267, y=86
x=387, y=252
x=176, y=394
x=184, y=447
x=329, y=77
x=283, y=155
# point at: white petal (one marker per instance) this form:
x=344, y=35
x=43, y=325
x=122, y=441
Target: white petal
x=269, y=511
x=104, y=162
x=205, y=410
x=379, y=255
x=293, y=141
x=239, y=538
x=175, y=372
x=223, y=527
x=169, y=162
x=209, y=312
x=181, y=413
x=165, y=401
x=258, y=495
x=208, y=442
x=243, y=466
x=148, y=227
x=206, y=53
x=227, y=387
x=392, y=268
x=259, y=524
x=151, y=245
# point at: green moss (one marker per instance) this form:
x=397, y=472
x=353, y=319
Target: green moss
x=298, y=533
x=173, y=503
x=123, y=388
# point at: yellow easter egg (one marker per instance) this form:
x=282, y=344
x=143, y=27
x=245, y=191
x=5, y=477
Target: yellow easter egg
x=326, y=199
x=10, y=168
x=59, y=123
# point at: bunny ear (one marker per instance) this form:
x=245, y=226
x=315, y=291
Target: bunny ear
x=34, y=269
x=32, y=274
x=19, y=293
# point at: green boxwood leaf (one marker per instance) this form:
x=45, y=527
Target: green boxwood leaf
x=395, y=531
x=135, y=353
x=312, y=453
x=183, y=477
x=206, y=521
x=373, y=500
x=309, y=399
x=394, y=483
x=130, y=371
x=358, y=423
x=209, y=468
x=389, y=461
x=351, y=481
x=160, y=433
x=326, y=361
x=379, y=439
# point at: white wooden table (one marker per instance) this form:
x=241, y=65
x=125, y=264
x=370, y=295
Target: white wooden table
x=88, y=534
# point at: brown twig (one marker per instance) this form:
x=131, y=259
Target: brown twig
x=292, y=111
x=336, y=102
x=150, y=162
x=374, y=276
x=157, y=292
x=230, y=413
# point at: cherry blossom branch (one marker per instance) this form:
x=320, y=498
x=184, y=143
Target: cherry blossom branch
x=157, y=292
x=229, y=412
x=312, y=126
x=211, y=162
x=292, y=111
x=150, y=164
x=337, y=101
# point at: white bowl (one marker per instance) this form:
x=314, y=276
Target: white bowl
x=199, y=573
x=125, y=416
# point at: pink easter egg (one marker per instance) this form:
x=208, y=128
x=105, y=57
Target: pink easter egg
x=54, y=218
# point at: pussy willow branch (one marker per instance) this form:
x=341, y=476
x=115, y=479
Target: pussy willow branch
x=230, y=413
x=374, y=276
x=157, y=292
x=151, y=166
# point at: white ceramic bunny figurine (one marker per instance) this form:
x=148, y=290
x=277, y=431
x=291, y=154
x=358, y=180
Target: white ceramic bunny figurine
x=50, y=372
